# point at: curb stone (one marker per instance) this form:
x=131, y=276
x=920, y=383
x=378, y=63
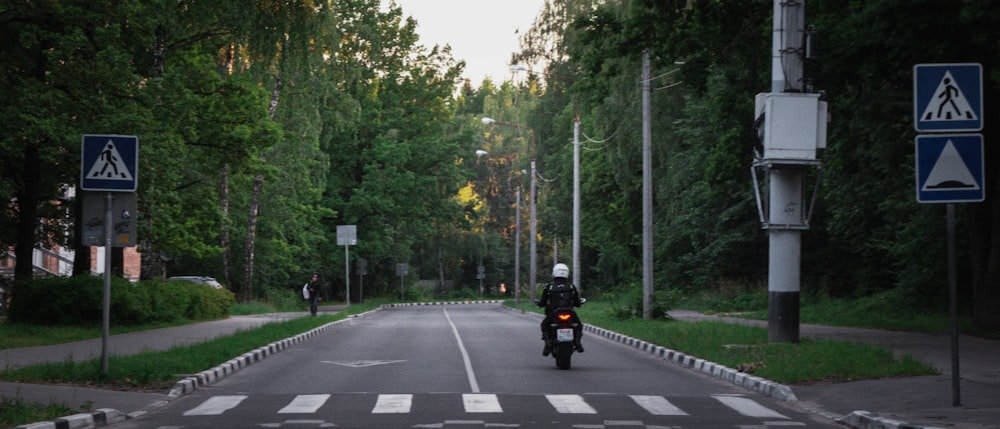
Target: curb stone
x=856, y=420
x=106, y=416
x=193, y=382
x=722, y=372
x=867, y=420
x=747, y=381
x=99, y=418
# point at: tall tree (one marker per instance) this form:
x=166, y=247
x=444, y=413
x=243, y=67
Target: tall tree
x=68, y=65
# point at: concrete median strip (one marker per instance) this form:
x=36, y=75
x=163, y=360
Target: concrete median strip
x=99, y=418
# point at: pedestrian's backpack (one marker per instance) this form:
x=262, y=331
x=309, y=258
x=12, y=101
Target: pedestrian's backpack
x=305, y=291
x=561, y=296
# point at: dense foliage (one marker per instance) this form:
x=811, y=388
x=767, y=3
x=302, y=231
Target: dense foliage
x=78, y=301
x=868, y=233
x=263, y=128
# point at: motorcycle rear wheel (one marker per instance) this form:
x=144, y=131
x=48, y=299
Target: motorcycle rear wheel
x=562, y=353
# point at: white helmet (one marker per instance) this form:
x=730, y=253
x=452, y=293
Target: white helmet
x=560, y=271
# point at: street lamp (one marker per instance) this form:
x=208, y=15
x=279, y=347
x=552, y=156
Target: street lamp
x=576, y=176
x=533, y=222
x=517, y=236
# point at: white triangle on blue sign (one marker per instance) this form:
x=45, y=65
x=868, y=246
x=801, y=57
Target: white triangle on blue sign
x=949, y=103
x=950, y=172
x=109, y=165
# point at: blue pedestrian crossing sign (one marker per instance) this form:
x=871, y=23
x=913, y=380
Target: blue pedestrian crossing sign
x=109, y=163
x=948, y=97
x=950, y=168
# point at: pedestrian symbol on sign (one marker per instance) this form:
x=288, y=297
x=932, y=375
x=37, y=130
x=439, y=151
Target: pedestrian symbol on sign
x=948, y=97
x=949, y=103
x=109, y=166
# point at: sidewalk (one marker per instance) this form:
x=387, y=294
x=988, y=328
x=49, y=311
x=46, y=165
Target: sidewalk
x=917, y=401
x=913, y=402
x=124, y=344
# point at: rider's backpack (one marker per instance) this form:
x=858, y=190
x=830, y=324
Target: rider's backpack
x=561, y=296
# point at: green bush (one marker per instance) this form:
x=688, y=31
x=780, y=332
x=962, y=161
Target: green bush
x=207, y=303
x=131, y=304
x=79, y=301
x=285, y=299
x=629, y=304
x=58, y=301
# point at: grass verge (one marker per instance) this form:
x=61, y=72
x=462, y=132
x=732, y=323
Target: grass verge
x=15, y=411
x=158, y=371
x=738, y=346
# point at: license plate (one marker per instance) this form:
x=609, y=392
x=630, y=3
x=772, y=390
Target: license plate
x=564, y=335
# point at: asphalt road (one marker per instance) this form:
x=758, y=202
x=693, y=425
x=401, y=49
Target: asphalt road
x=468, y=366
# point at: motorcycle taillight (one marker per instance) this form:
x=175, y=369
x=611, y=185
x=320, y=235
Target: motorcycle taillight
x=564, y=317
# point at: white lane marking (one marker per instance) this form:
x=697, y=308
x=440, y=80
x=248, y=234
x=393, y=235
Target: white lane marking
x=748, y=407
x=570, y=404
x=657, y=405
x=465, y=355
x=481, y=403
x=393, y=404
x=362, y=363
x=216, y=405
x=304, y=404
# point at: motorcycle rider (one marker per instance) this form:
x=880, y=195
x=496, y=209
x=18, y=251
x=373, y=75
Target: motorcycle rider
x=560, y=294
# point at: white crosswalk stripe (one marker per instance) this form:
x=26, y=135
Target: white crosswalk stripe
x=216, y=405
x=304, y=404
x=748, y=407
x=657, y=405
x=482, y=403
x=570, y=404
x=393, y=404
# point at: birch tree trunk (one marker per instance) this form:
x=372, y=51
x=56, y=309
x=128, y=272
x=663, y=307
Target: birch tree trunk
x=258, y=184
x=227, y=251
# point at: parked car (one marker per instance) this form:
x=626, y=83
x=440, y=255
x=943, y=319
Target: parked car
x=211, y=281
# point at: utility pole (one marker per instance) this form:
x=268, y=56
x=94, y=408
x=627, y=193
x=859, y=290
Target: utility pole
x=791, y=123
x=576, y=202
x=647, y=192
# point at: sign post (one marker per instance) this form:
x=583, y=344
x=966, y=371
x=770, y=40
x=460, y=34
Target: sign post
x=402, y=270
x=948, y=98
x=109, y=163
x=347, y=235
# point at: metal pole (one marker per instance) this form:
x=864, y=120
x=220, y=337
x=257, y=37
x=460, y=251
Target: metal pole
x=517, y=246
x=576, y=203
x=106, y=314
x=784, y=254
x=647, y=193
x=785, y=243
x=956, y=394
x=347, y=273
x=534, y=236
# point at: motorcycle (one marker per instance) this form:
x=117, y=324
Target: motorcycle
x=561, y=335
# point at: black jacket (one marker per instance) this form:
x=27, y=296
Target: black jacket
x=551, y=303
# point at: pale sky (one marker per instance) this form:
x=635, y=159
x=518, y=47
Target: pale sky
x=481, y=32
